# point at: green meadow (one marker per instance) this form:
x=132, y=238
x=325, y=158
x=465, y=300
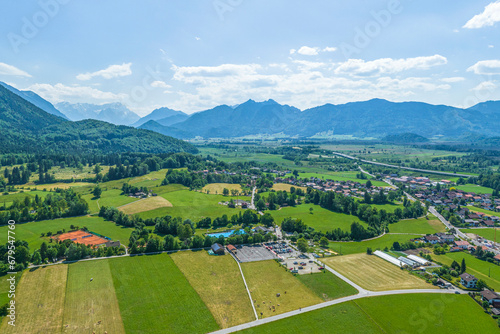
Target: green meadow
x=326, y=285
x=488, y=272
x=487, y=233
x=415, y=313
x=473, y=188
x=155, y=297
x=355, y=247
x=418, y=226
x=320, y=219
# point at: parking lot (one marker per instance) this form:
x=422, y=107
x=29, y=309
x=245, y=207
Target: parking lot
x=278, y=247
x=302, y=266
x=253, y=253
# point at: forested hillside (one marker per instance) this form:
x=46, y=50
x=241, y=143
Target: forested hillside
x=28, y=129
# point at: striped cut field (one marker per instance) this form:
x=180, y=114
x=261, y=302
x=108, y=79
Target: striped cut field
x=266, y=279
x=218, y=188
x=155, y=297
x=286, y=187
x=91, y=306
x=373, y=273
x=218, y=281
x=146, y=204
x=40, y=301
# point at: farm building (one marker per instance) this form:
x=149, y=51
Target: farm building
x=407, y=261
x=418, y=259
x=388, y=258
x=231, y=249
x=218, y=249
x=113, y=244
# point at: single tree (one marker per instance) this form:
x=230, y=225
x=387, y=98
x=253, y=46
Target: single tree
x=97, y=192
x=323, y=242
x=463, y=267
x=302, y=245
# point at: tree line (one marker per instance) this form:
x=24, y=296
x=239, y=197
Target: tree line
x=57, y=204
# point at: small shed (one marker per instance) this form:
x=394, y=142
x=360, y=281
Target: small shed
x=218, y=249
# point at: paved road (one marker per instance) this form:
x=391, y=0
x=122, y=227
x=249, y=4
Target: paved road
x=252, y=204
x=326, y=304
x=342, y=277
x=279, y=233
x=246, y=286
x=395, y=166
x=364, y=171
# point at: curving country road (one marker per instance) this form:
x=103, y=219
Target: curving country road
x=395, y=166
x=326, y=304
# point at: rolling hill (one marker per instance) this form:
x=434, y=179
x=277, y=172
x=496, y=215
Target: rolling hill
x=27, y=128
x=35, y=99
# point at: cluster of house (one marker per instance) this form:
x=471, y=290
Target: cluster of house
x=470, y=281
x=416, y=182
x=476, y=218
x=452, y=198
x=347, y=188
x=225, y=172
x=437, y=238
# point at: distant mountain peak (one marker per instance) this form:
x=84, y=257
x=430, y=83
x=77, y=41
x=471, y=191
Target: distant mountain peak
x=160, y=114
x=35, y=99
x=114, y=112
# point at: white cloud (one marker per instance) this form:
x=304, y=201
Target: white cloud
x=299, y=83
x=487, y=18
x=453, y=79
x=199, y=74
x=359, y=67
x=292, y=51
x=410, y=83
x=330, y=49
x=160, y=84
x=485, y=86
x=6, y=69
x=308, y=51
x=197, y=38
x=59, y=93
x=491, y=46
x=485, y=67
x=112, y=71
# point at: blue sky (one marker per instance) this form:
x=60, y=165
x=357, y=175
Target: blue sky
x=151, y=54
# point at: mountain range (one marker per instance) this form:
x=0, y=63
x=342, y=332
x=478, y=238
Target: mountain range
x=115, y=113
x=35, y=99
x=375, y=118
x=163, y=116
x=26, y=128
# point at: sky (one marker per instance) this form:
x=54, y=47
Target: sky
x=195, y=55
